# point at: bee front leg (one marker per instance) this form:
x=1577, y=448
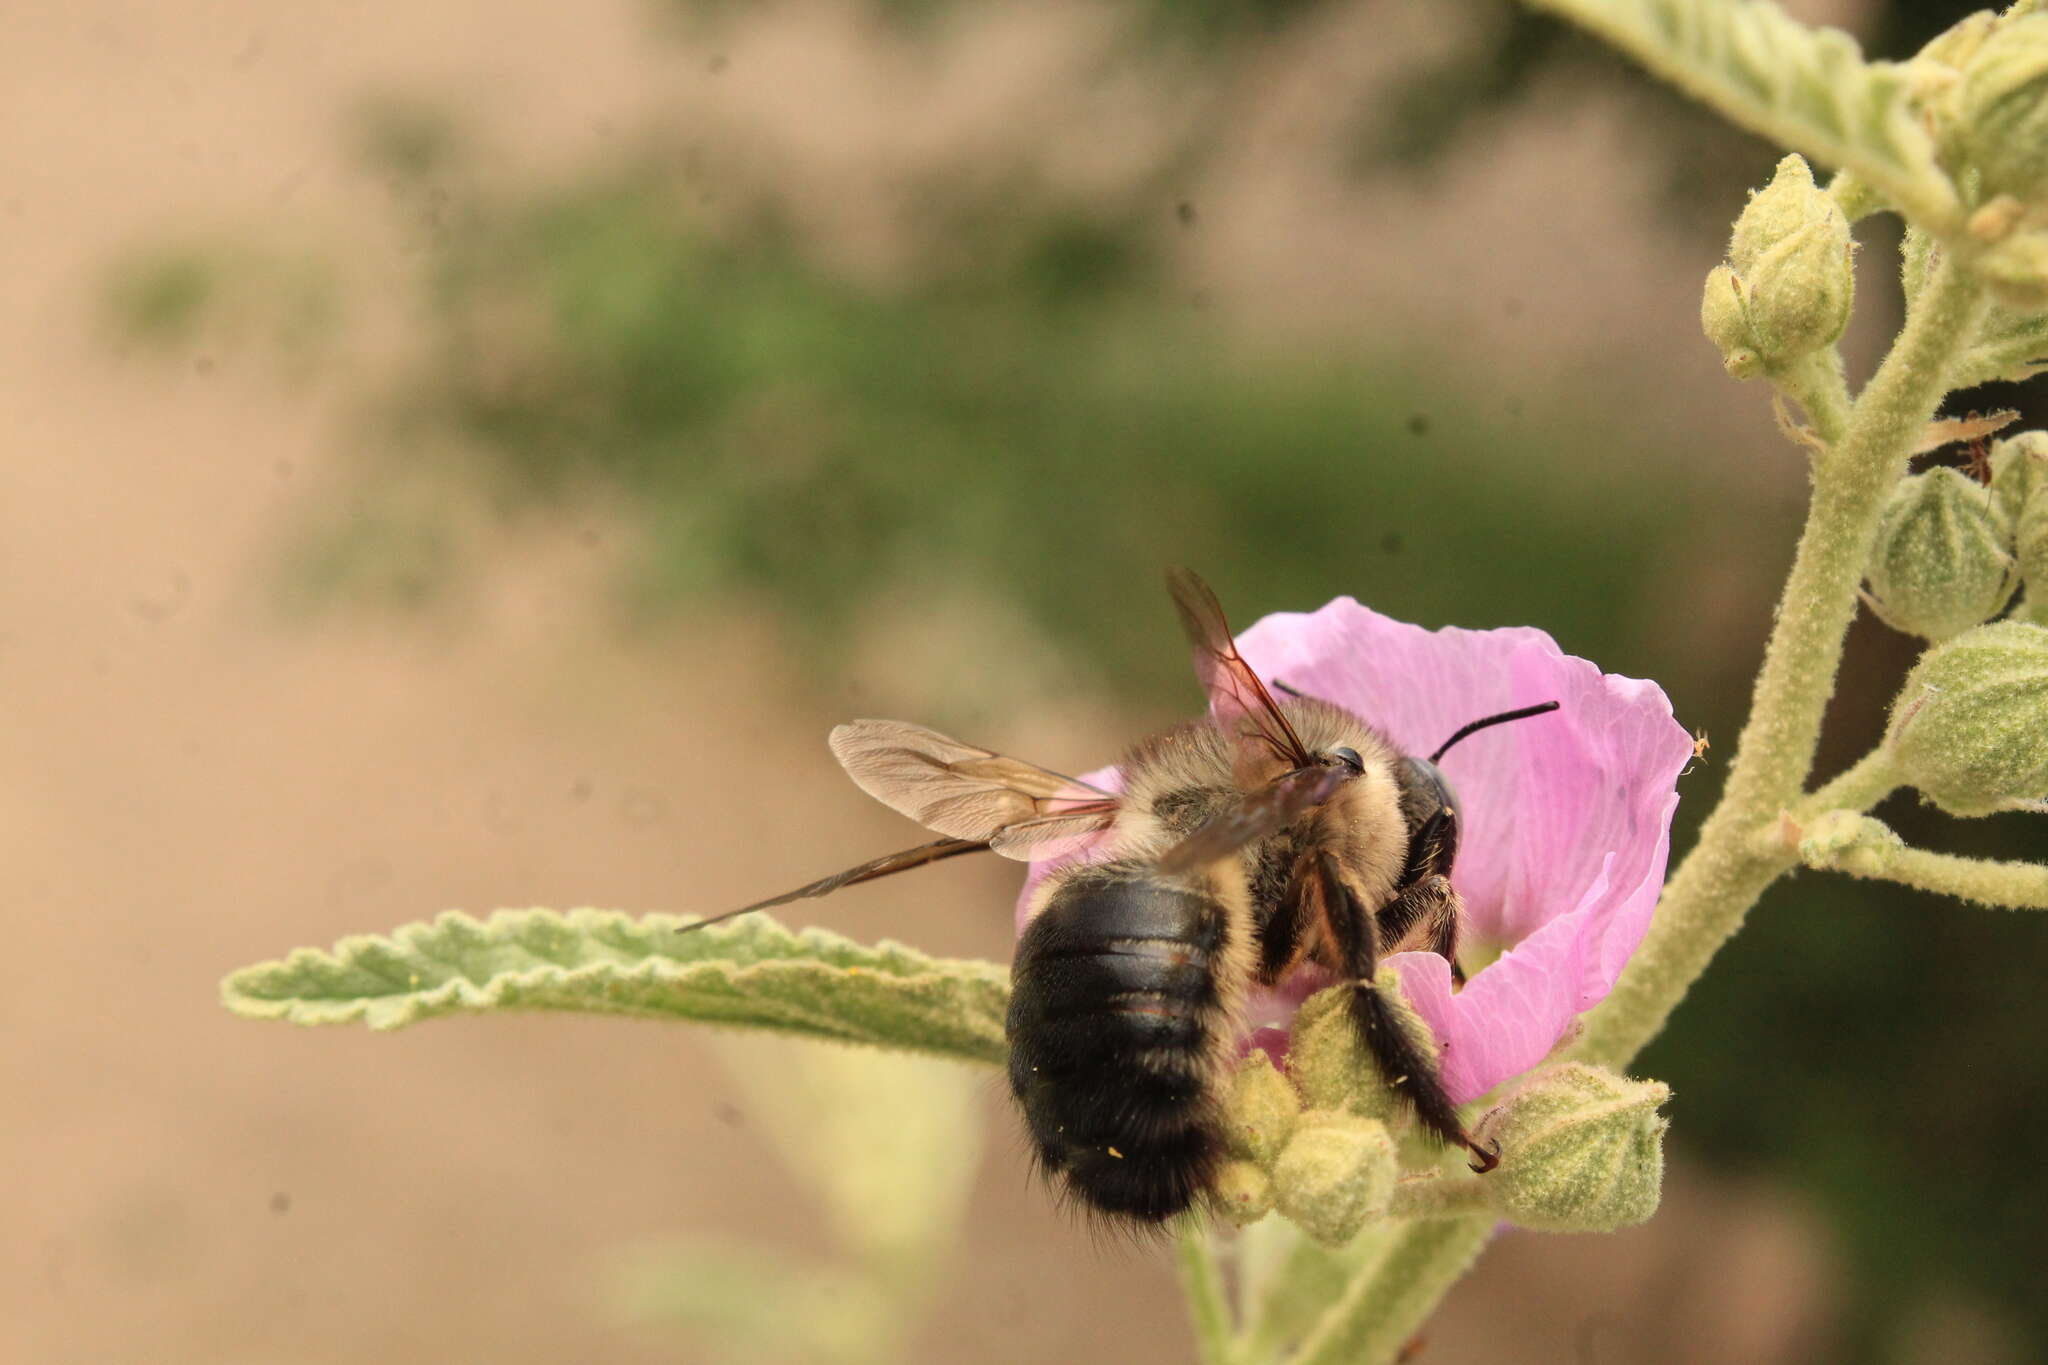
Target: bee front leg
x=1428, y=911
x=1409, y=1070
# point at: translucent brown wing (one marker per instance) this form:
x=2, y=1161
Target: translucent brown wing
x=1239, y=703
x=1020, y=810
x=1266, y=811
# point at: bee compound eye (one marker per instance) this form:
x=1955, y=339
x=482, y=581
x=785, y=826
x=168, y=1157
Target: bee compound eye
x=1348, y=756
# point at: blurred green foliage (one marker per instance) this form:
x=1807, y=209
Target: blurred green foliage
x=189, y=295
x=1043, y=415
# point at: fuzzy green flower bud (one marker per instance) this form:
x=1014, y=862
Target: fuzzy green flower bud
x=2015, y=265
x=1332, y=1069
x=1242, y=1192
x=2019, y=482
x=1849, y=842
x=1724, y=317
x=1336, y=1174
x=1260, y=1112
x=2019, y=471
x=1970, y=727
x=2030, y=547
x=1789, y=281
x=1953, y=47
x=2003, y=109
x=1943, y=559
x=1582, y=1150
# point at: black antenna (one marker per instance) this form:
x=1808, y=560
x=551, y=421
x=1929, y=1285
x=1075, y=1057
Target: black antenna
x=1523, y=714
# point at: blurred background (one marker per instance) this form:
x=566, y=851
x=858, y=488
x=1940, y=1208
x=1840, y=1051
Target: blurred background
x=467, y=455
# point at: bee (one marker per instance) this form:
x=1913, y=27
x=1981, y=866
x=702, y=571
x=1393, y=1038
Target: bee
x=1270, y=836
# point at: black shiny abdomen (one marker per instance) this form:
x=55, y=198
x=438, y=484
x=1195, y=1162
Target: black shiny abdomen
x=1113, y=996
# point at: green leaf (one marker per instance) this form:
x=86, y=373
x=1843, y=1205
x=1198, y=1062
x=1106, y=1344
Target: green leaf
x=1809, y=90
x=751, y=973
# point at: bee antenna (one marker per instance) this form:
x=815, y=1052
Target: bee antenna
x=1523, y=714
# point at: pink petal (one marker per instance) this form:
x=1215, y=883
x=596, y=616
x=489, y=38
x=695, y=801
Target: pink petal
x=1565, y=818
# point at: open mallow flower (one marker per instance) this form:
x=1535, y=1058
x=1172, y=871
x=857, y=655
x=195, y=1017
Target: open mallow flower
x=1565, y=820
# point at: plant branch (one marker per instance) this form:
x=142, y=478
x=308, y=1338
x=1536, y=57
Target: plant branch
x=1385, y=1305
x=1860, y=787
x=2001, y=885
x=1816, y=383
x=1712, y=890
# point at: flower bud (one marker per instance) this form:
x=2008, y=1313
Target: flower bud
x=1724, y=317
x=1953, y=47
x=2016, y=268
x=1582, y=1150
x=2019, y=482
x=2019, y=471
x=1332, y=1067
x=2003, y=107
x=1970, y=727
x=1336, y=1173
x=1943, y=561
x=1849, y=842
x=1260, y=1111
x=1242, y=1192
x=1789, y=263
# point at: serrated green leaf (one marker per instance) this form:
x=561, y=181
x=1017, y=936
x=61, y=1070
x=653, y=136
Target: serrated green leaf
x=751, y=973
x=2012, y=347
x=1808, y=89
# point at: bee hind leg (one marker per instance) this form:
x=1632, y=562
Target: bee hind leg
x=1408, y=1068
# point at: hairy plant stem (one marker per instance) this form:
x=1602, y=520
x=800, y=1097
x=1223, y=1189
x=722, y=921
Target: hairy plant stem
x=1707, y=898
x=1201, y=1278
x=2004, y=885
x=1385, y=1306
x=1858, y=788
x=1816, y=383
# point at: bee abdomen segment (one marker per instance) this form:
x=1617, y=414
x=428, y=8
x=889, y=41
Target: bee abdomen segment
x=1113, y=1024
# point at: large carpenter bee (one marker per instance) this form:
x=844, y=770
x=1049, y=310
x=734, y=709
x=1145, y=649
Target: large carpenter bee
x=1272, y=835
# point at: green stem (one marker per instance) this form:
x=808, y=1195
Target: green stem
x=2002, y=885
x=1201, y=1279
x=1437, y=1197
x=1707, y=898
x=1306, y=1282
x=1870, y=781
x=1816, y=383
x=1381, y=1311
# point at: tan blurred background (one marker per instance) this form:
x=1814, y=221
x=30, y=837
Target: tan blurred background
x=194, y=781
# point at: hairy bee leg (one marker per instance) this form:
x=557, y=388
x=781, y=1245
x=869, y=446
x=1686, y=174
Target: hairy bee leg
x=1285, y=938
x=1432, y=904
x=1409, y=1071
x=1448, y=914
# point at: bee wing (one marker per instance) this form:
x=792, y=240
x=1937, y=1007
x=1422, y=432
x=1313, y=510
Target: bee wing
x=1266, y=811
x=1020, y=810
x=1238, y=702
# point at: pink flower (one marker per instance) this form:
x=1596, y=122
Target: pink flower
x=1565, y=818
